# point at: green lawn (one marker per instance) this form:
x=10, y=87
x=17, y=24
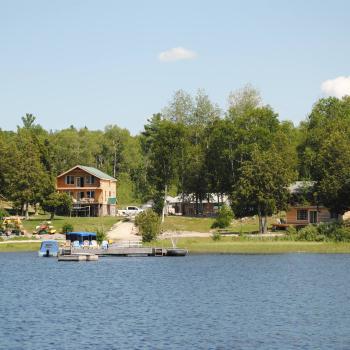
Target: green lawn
x=183, y=223
x=227, y=245
x=19, y=247
x=79, y=223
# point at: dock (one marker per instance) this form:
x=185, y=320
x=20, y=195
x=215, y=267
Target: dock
x=127, y=251
x=78, y=257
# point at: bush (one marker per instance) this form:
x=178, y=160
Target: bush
x=3, y=213
x=341, y=234
x=67, y=227
x=224, y=218
x=148, y=223
x=307, y=233
x=216, y=236
x=101, y=235
x=291, y=231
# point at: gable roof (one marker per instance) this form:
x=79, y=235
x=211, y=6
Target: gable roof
x=92, y=171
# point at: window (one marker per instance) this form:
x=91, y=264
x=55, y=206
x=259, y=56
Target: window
x=302, y=214
x=90, y=179
x=81, y=195
x=90, y=194
x=69, y=180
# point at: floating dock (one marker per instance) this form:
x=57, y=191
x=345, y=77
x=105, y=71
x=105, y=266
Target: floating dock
x=78, y=257
x=127, y=251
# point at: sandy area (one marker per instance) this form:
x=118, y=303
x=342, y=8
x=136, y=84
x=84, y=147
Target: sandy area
x=123, y=231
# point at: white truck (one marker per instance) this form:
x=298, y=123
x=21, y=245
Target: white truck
x=130, y=211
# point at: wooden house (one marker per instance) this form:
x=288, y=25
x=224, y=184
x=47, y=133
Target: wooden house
x=303, y=209
x=188, y=206
x=93, y=192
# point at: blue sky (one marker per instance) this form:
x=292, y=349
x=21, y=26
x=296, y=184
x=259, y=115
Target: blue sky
x=93, y=63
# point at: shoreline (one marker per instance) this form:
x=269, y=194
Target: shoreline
x=199, y=245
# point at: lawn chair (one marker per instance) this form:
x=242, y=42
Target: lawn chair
x=76, y=245
x=104, y=245
x=93, y=244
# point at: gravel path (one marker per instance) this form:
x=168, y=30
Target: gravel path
x=123, y=231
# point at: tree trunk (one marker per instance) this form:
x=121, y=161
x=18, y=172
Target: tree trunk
x=264, y=224
x=36, y=207
x=260, y=221
x=52, y=215
x=164, y=203
x=26, y=211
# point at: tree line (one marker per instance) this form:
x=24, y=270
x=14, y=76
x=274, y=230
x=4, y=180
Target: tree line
x=193, y=147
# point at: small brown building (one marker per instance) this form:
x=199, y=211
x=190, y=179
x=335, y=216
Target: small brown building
x=302, y=209
x=93, y=192
x=303, y=215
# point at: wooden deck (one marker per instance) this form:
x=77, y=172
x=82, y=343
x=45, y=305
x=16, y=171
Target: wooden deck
x=124, y=251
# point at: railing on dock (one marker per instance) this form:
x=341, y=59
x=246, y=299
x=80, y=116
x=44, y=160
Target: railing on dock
x=126, y=244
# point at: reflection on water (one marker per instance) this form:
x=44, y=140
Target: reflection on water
x=295, y=301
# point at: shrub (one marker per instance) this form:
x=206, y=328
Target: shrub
x=224, y=218
x=291, y=231
x=67, y=227
x=307, y=233
x=148, y=223
x=341, y=234
x=101, y=235
x=3, y=213
x=216, y=236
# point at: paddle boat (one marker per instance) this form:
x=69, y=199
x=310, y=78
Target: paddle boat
x=49, y=248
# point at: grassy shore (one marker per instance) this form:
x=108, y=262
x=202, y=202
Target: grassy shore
x=19, y=247
x=254, y=246
x=79, y=223
x=183, y=223
x=225, y=246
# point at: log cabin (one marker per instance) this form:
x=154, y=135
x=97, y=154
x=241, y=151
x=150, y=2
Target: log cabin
x=93, y=191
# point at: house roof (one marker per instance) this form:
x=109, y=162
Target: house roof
x=299, y=186
x=92, y=171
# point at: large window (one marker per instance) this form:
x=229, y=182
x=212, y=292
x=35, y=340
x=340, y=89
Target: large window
x=90, y=194
x=302, y=214
x=69, y=180
x=90, y=179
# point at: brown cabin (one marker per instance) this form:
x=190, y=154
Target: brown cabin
x=299, y=214
x=93, y=192
x=308, y=214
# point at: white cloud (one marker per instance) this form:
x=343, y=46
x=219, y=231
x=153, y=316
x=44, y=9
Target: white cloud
x=337, y=87
x=176, y=54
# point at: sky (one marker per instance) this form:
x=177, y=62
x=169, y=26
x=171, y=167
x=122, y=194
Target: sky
x=96, y=63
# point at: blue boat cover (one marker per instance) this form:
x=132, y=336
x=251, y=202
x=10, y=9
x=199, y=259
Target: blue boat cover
x=50, y=245
x=82, y=234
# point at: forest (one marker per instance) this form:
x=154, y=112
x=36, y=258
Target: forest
x=193, y=147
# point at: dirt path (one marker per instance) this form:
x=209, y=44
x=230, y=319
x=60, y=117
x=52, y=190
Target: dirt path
x=123, y=231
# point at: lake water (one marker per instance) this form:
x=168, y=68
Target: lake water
x=291, y=301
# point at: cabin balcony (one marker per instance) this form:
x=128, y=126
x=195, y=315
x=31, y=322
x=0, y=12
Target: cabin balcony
x=85, y=201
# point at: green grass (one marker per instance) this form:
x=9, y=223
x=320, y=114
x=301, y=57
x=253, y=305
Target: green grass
x=183, y=223
x=79, y=223
x=227, y=245
x=19, y=247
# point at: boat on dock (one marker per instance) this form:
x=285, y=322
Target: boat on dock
x=49, y=248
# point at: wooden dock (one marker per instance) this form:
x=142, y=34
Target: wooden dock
x=123, y=251
x=78, y=257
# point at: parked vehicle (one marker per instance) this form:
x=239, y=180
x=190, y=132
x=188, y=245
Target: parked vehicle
x=130, y=211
